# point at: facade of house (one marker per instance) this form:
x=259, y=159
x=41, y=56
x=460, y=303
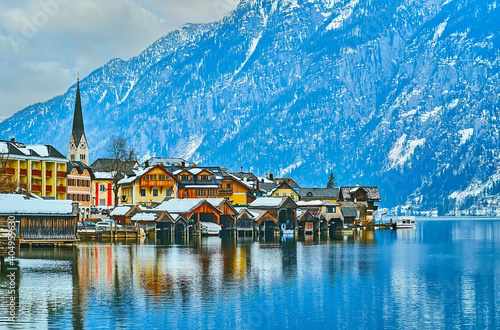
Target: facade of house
x=284, y=189
x=149, y=187
x=79, y=187
x=40, y=169
x=327, y=213
x=236, y=189
x=197, y=182
x=363, y=198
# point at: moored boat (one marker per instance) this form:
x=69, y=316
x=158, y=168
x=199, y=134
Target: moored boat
x=406, y=223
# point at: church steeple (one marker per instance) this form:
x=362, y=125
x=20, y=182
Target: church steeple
x=78, y=149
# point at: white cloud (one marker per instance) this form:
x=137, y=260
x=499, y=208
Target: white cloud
x=44, y=43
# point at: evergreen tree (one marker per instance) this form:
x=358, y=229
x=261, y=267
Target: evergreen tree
x=331, y=181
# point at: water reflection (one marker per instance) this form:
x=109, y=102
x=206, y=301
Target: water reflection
x=442, y=274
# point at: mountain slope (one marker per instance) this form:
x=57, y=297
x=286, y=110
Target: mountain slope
x=402, y=94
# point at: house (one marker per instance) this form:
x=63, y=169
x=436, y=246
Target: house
x=282, y=208
x=257, y=221
x=197, y=182
x=327, y=213
x=284, y=189
x=79, y=187
x=308, y=224
x=328, y=194
x=104, y=178
x=40, y=221
x=149, y=186
x=40, y=169
x=123, y=214
x=363, y=198
x=194, y=211
x=350, y=214
x=239, y=191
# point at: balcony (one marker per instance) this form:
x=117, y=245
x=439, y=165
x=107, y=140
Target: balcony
x=48, y=189
x=36, y=172
x=61, y=174
x=61, y=189
x=36, y=188
x=225, y=191
x=157, y=183
x=10, y=171
x=48, y=173
x=23, y=172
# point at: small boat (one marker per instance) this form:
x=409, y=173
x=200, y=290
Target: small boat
x=210, y=229
x=405, y=223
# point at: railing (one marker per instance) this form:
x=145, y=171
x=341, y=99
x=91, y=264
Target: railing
x=226, y=191
x=35, y=172
x=23, y=172
x=36, y=188
x=48, y=189
x=157, y=183
x=48, y=173
x=10, y=171
x=61, y=189
x=61, y=174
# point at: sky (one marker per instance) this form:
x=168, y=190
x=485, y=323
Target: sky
x=44, y=44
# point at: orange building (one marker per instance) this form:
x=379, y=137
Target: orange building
x=79, y=187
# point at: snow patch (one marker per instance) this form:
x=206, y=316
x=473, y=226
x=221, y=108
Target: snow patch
x=439, y=30
x=402, y=150
x=132, y=84
x=343, y=16
x=193, y=144
x=290, y=168
x=465, y=135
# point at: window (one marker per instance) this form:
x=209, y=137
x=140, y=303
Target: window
x=102, y=202
x=284, y=194
x=309, y=194
x=330, y=209
x=155, y=192
x=204, y=177
x=143, y=192
x=82, y=157
x=72, y=157
x=228, y=186
x=168, y=192
x=186, y=193
x=277, y=194
x=292, y=195
x=102, y=188
x=78, y=182
x=185, y=177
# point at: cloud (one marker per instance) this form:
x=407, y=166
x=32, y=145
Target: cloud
x=45, y=43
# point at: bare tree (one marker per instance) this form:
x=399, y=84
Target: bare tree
x=120, y=155
x=8, y=181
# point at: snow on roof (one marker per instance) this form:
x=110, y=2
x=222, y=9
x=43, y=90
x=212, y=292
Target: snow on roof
x=316, y=203
x=104, y=175
x=120, y=210
x=202, y=186
x=39, y=149
x=177, y=172
x=267, y=202
x=4, y=147
x=195, y=171
x=144, y=217
x=18, y=204
x=178, y=205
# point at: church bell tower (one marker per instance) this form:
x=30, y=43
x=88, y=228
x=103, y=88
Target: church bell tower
x=78, y=149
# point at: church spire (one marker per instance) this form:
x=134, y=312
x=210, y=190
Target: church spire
x=78, y=129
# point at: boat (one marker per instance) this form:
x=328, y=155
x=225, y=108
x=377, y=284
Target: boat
x=405, y=223
x=210, y=228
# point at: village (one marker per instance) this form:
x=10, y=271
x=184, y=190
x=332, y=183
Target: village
x=61, y=199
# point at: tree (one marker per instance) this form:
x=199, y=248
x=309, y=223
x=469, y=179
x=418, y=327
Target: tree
x=120, y=155
x=331, y=181
x=8, y=182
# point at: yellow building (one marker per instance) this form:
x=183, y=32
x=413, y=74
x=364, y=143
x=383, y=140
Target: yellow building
x=236, y=189
x=40, y=169
x=148, y=187
x=284, y=190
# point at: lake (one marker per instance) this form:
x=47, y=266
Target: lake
x=443, y=274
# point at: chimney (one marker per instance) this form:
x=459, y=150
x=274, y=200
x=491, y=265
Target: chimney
x=13, y=140
x=270, y=176
x=183, y=164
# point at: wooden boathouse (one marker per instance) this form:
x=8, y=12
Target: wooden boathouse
x=40, y=221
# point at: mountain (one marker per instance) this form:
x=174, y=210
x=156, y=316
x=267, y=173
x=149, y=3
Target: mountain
x=401, y=94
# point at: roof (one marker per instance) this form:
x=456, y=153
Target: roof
x=282, y=185
x=144, y=217
x=270, y=202
x=372, y=193
x=181, y=205
x=349, y=212
x=267, y=187
x=106, y=165
x=19, y=204
x=80, y=167
x=78, y=129
x=16, y=150
x=167, y=161
x=315, y=203
x=319, y=193
x=120, y=210
x=290, y=181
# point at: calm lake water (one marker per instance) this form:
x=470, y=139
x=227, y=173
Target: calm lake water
x=443, y=274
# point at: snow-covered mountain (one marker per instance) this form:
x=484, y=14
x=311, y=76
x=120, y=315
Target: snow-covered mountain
x=402, y=94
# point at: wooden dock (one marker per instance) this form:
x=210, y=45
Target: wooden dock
x=98, y=233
